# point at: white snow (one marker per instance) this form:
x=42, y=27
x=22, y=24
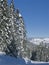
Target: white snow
x=1, y=53
x=1, y=0
x=37, y=41
x=38, y=62
x=20, y=15
x=8, y=60
x=33, y=62
x=26, y=60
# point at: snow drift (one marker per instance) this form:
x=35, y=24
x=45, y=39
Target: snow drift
x=8, y=60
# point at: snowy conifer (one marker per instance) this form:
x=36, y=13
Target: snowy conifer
x=6, y=30
x=12, y=30
x=21, y=32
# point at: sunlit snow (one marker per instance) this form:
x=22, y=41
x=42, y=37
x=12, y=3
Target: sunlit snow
x=7, y=60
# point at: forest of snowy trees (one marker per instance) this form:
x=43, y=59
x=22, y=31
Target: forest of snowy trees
x=12, y=30
x=41, y=52
x=13, y=39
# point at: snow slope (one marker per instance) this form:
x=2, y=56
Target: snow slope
x=7, y=60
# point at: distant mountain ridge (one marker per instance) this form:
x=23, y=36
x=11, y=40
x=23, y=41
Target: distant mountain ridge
x=37, y=41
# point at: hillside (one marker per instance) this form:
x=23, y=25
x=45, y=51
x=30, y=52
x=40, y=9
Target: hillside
x=37, y=41
x=7, y=60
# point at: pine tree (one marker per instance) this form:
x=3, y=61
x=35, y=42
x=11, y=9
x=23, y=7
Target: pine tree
x=21, y=32
x=12, y=30
x=12, y=20
x=7, y=31
x=3, y=23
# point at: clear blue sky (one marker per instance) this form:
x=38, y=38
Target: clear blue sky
x=36, y=16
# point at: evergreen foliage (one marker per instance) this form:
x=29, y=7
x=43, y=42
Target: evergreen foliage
x=12, y=30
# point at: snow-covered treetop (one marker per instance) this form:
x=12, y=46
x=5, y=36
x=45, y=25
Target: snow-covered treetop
x=20, y=15
x=1, y=0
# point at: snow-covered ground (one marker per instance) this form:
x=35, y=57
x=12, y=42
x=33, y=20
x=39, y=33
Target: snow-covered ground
x=7, y=60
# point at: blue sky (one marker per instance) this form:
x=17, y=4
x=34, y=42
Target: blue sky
x=36, y=16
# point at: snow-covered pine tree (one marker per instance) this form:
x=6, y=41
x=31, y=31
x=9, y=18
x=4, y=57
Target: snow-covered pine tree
x=1, y=31
x=12, y=30
x=7, y=39
x=12, y=27
x=3, y=24
x=21, y=32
